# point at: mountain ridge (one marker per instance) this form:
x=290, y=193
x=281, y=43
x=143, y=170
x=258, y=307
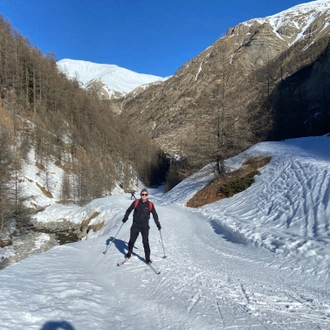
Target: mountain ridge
x=108, y=80
x=308, y=21
x=246, y=64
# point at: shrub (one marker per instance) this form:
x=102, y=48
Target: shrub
x=231, y=188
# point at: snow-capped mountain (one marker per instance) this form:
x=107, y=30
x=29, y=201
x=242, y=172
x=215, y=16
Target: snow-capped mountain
x=271, y=51
x=299, y=21
x=108, y=80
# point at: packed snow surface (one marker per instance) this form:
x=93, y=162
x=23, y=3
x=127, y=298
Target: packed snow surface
x=258, y=260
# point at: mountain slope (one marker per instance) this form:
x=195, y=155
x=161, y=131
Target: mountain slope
x=239, y=73
x=296, y=23
x=109, y=81
x=215, y=275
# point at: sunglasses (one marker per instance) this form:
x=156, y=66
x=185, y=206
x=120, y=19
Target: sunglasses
x=144, y=194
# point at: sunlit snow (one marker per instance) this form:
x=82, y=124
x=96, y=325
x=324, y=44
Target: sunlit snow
x=114, y=78
x=258, y=260
x=301, y=17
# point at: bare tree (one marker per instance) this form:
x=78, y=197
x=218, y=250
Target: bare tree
x=5, y=175
x=66, y=188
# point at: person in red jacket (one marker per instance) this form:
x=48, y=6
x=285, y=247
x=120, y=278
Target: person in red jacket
x=142, y=208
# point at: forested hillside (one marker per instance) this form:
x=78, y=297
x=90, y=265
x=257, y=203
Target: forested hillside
x=42, y=110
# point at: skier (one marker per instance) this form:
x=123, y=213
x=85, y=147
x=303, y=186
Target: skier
x=142, y=209
x=133, y=195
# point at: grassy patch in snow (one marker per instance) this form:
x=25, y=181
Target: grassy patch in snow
x=234, y=183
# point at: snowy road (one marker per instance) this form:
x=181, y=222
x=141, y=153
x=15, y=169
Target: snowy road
x=212, y=278
x=206, y=282
x=209, y=283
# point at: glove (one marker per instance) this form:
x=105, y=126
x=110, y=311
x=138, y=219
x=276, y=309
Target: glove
x=124, y=220
x=159, y=227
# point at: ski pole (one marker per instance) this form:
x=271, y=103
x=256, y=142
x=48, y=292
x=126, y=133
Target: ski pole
x=107, y=248
x=161, y=239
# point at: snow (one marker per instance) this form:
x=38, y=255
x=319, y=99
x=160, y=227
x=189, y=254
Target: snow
x=199, y=71
x=301, y=17
x=34, y=177
x=115, y=78
x=258, y=260
x=310, y=10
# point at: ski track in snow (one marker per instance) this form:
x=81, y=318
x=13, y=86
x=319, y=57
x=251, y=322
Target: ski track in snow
x=297, y=213
x=196, y=296
x=242, y=263
x=200, y=285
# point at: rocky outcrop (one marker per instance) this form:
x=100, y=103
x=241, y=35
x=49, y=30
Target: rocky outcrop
x=39, y=237
x=27, y=244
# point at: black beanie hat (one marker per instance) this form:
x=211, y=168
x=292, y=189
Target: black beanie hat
x=144, y=190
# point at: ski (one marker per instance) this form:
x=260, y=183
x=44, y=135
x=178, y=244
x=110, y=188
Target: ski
x=153, y=268
x=149, y=264
x=122, y=262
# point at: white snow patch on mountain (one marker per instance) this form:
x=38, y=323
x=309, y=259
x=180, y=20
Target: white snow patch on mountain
x=301, y=17
x=114, y=78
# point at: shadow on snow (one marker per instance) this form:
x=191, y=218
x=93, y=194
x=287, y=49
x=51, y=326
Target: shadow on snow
x=57, y=325
x=120, y=245
x=227, y=233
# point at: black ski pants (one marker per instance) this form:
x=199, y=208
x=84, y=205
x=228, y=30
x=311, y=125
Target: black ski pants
x=145, y=239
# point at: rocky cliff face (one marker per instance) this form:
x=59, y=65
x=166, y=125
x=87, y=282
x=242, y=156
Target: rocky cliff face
x=243, y=70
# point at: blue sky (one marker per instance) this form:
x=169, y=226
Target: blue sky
x=145, y=36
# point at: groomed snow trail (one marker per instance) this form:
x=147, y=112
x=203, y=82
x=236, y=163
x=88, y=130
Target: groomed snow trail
x=258, y=260
x=206, y=282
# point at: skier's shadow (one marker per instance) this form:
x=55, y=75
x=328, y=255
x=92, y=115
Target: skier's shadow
x=121, y=246
x=54, y=325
